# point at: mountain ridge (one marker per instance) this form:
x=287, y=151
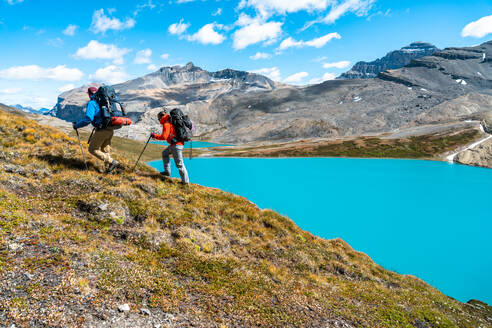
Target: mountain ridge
x=392, y=60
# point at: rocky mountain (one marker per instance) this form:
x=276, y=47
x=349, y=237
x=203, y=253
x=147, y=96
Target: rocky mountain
x=31, y=110
x=239, y=107
x=188, y=87
x=392, y=60
x=83, y=249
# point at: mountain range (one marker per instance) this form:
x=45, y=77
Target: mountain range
x=31, y=110
x=240, y=107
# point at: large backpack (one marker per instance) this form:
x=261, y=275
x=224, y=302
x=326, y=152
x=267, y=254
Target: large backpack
x=182, y=125
x=107, y=99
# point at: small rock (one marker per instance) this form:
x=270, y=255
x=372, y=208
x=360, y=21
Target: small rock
x=157, y=325
x=29, y=276
x=145, y=311
x=15, y=246
x=103, y=207
x=124, y=308
x=12, y=168
x=41, y=173
x=169, y=318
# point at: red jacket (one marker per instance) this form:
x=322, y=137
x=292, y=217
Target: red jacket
x=168, y=132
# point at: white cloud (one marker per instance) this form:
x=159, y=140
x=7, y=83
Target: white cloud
x=111, y=74
x=178, y=28
x=297, y=77
x=260, y=55
x=340, y=64
x=478, y=28
x=10, y=91
x=70, y=30
x=152, y=67
x=143, y=57
x=316, y=43
x=34, y=72
x=96, y=50
x=165, y=56
x=57, y=42
x=66, y=87
x=254, y=30
x=101, y=23
x=273, y=73
x=141, y=7
x=329, y=76
x=359, y=7
x=319, y=59
x=207, y=35
x=269, y=7
x=218, y=12
x=14, y=2
x=326, y=77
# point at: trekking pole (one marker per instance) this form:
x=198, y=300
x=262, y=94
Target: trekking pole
x=142, y=153
x=82, y=150
x=90, y=137
x=191, y=149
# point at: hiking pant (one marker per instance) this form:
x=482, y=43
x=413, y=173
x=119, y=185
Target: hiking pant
x=100, y=145
x=177, y=151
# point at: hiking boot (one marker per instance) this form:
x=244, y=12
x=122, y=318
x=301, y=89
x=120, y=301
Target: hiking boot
x=113, y=166
x=166, y=174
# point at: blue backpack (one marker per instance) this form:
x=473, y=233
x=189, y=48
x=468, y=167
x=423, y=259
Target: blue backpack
x=107, y=99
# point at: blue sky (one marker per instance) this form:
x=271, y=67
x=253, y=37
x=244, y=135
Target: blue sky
x=52, y=45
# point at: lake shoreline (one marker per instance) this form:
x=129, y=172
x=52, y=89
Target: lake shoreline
x=436, y=146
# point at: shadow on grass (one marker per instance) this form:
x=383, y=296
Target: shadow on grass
x=70, y=163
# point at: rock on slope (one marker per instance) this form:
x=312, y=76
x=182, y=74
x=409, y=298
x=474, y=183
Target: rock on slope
x=393, y=60
x=78, y=246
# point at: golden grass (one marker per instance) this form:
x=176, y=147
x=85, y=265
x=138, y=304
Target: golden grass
x=196, y=251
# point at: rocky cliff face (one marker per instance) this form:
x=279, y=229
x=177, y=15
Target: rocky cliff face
x=239, y=107
x=393, y=60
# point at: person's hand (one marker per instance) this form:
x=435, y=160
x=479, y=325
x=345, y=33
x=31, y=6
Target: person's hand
x=152, y=135
x=73, y=125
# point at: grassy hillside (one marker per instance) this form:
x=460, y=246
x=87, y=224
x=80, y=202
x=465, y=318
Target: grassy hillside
x=75, y=244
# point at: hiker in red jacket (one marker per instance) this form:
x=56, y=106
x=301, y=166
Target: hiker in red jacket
x=176, y=148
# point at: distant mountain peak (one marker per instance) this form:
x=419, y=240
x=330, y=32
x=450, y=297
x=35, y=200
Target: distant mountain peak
x=393, y=60
x=190, y=66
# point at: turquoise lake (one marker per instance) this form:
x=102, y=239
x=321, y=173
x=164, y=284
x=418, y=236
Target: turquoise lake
x=196, y=144
x=429, y=219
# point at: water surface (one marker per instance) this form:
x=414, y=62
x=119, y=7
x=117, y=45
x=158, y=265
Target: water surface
x=195, y=144
x=430, y=219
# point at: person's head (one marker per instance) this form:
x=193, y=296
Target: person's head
x=161, y=115
x=91, y=91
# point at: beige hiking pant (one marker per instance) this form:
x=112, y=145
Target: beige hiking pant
x=100, y=145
